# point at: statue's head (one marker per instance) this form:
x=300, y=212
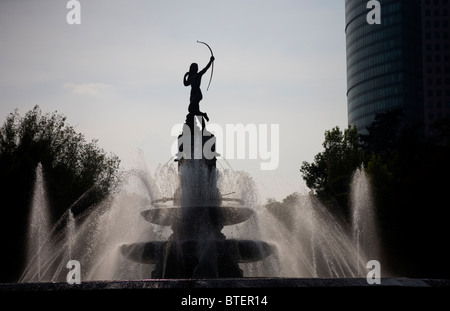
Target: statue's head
x=193, y=68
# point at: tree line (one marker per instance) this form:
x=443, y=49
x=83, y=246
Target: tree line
x=408, y=172
x=409, y=176
x=73, y=168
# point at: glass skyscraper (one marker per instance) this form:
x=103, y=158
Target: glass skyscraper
x=387, y=62
x=435, y=46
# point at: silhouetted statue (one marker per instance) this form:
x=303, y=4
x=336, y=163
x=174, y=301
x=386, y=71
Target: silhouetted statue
x=197, y=248
x=194, y=79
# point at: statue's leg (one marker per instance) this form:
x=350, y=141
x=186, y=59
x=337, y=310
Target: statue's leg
x=194, y=107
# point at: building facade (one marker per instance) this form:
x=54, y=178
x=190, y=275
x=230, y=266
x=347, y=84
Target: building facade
x=435, y=34
x=393, y=65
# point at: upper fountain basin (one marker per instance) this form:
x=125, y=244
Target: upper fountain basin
x=171, y=215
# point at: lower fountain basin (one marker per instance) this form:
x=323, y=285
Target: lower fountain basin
x=153, y=252
x=168, y=216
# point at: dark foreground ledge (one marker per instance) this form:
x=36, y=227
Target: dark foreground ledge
x=245, y=293
x=243, y=283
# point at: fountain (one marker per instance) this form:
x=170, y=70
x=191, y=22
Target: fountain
x=365, y=233
x=197, y=248
x=39, y=223
x=303, y=240
x=182, y=223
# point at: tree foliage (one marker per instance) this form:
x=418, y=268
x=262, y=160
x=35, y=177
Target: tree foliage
x=330, y=174
x=72, y=166
x=408, y=172
x=284, y=210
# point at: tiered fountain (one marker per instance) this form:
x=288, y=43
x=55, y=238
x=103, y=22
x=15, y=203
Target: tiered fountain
x=309, y=241
x=197, y=248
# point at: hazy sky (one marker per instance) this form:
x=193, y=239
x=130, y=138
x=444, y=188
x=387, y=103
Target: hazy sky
x=118, y=75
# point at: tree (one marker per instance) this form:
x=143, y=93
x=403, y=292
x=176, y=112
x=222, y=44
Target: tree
x=407, y=171
x=73, y=168
x=408, y=174
x=330, y=174
x=382, y=135
x=284, y=210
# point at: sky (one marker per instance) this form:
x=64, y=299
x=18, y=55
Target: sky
x=117, y=76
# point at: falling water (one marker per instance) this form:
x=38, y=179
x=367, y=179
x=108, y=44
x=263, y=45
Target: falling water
x=309, y=241
x=39, y=224
x=365, y=234
x=70, y=233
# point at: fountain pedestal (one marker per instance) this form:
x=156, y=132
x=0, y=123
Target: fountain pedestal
x=197, y=248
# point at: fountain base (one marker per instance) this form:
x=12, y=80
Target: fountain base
x=197, y=248
x=197, y=258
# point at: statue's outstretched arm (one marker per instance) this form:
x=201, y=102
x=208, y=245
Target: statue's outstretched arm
x=207, y=66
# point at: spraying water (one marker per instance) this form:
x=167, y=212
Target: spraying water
x=309, y=241
x=39, y=224
x=365, y=234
